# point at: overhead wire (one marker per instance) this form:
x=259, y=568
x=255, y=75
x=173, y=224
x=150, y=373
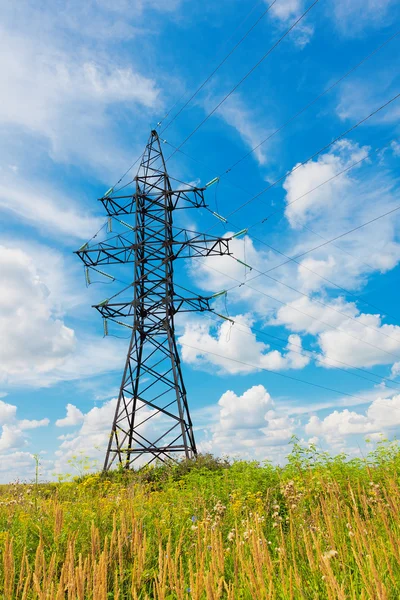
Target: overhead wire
x=288, y=345
x=294, y=308
x=284, y=375
x=235, y=87
x=309, y=104
x=204, y=83
x=315, y=154
x=218, y=66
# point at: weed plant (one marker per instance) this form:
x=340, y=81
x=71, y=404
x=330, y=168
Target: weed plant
x=320, y=527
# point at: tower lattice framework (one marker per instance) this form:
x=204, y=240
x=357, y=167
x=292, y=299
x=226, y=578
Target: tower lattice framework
x=152, y=419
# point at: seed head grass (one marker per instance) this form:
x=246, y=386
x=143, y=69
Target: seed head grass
x=317, y=528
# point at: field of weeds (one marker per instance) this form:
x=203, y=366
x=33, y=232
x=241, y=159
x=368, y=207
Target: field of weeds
x=318, y=528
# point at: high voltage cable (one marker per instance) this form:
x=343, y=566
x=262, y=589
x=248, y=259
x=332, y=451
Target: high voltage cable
x=218, y=66
x=339, y=137
x=245, y=77
x=314, y=300
x=184, y=94
x=241, y=283
x=306, y=353
x=346, y=169
x=293, y=259
x=328, y=89
x=298, y=379
x=393, y=210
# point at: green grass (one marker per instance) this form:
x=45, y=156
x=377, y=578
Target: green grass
x=318, y=528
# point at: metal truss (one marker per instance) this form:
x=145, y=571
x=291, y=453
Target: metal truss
x=152, y=419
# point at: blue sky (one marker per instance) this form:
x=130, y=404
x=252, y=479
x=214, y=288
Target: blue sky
x=84, y=83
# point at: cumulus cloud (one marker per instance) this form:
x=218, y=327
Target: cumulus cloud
x=74, y=417
x=32, y=339
x=236, y=342
x=37, y=347
x=286, y=12
x=12, y=429
x=249, y=425
x=312, y=174
x=91, y=439
x=344, y=333
x=383, y=414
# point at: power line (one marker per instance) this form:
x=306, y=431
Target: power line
x=339, y=137
x=325, y=91
x=219, y=65
x=290, y=306
x=258, y=367
x=346, y=169
x=291, y=259
x=306, y=353
x=312, y=300
x=245, y=77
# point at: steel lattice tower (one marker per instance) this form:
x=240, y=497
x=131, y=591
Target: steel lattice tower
x=152, y=419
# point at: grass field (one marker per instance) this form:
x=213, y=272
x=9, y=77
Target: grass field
x=318, y=528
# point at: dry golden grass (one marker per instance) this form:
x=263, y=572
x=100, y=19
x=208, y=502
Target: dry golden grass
x=322, y=530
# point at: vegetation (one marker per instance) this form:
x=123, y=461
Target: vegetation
x=318, y=528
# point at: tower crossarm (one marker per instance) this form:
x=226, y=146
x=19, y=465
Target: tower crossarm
x=126, y=204
x=121, y=249
x=115, y=310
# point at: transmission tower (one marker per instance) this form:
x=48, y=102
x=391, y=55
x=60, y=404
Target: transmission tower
x=152, y=419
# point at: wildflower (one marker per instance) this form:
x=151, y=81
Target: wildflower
x=219, y=508
x=351, y=533
x=194, y=528
x=231, y=535
x=246, y=534
x=193, y=519
x=330, y=554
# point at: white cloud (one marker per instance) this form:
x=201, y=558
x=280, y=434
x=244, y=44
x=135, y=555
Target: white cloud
x=7, y=412
x=32, y=340
x=65, y=89
x=312, y=174
x=382, y=414
x=236, y=342
x=12, y=429
x=25, y=424
x=355, y=17
x=74, y=417
x=244, y=412
x=90, y=441
x=37, y=348
x=362, y=340
x=46, y=209
x=247, y=124
x=249, y=426
x=286, y=12
x=395, y=371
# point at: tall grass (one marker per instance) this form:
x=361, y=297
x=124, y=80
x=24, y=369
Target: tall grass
x=317, y=528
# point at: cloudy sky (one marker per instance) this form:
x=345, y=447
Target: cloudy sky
x=314, y=350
